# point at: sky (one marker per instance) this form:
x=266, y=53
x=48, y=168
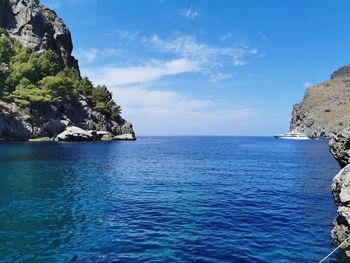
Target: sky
x=206, y=67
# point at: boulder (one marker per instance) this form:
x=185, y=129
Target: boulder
x=104, y=136
x=125, y=137
x=54, y=126
x=41, y=139
x=77, y=134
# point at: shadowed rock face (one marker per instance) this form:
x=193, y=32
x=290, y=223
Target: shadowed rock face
x=38, y=27
x=325, y=107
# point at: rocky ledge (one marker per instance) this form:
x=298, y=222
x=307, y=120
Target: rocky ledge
x=72, y=123
x=340, y=148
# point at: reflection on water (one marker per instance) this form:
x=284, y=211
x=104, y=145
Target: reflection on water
x=229, y=199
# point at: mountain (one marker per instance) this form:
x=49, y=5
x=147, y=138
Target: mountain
x=42, y=94
x=325, y=107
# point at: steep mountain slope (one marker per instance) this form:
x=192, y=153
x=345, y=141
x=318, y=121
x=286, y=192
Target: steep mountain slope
x=325, y=106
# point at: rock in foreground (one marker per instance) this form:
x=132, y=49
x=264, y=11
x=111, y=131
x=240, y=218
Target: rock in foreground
x=339, y=146
x=341, y=193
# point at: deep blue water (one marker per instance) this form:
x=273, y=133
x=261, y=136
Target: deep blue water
x=167, y=199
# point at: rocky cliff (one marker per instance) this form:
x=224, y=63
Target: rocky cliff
x=325, y=107
x=37, y=26
x=66, y=118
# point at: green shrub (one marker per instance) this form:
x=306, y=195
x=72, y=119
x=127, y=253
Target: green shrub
x=32, y=80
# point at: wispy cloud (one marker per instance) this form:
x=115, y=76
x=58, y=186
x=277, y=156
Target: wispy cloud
x=214, y=59
x=211, y=58
x=307, y=84
x=188, y=13
x=90, y=55
x=150, y=71
x=174, y=112
x=226, y=37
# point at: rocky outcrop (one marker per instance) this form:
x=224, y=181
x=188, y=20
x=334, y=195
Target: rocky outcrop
x=19, y=124
x=340, y=148
x=125, y=137
x=37, y=26
x=76, y=134
x=325, y=106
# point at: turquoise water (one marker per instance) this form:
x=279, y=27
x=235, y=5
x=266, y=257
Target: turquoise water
x=167, y=199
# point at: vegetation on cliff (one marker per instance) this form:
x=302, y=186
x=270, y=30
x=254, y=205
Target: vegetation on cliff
x=35, y=80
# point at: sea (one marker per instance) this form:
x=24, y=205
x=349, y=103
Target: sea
x=167, y=199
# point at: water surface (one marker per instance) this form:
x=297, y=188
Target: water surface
x=167, y=199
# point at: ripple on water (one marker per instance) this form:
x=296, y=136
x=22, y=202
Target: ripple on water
x=162, y=199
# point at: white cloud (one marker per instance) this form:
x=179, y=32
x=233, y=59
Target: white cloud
x=212, y=59
x=188, y=13
x=153, y=70
x=307, y=84
x=226, y=37
x=169, y=112
x=90, y=55
x=238, y=62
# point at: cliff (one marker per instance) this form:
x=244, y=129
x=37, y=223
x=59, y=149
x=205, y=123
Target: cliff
x=37, y=26
x=325, y=106
x=42, y=95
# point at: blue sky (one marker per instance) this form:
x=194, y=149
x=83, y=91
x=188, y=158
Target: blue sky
x=208, y=67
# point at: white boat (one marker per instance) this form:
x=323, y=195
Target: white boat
x=293, y=135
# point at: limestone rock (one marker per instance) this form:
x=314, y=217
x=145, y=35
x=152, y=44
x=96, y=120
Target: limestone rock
x=125, y=137
x=42, y=139
x=341, y=193
x=339, y=146
x=76, y=134
x=37, y=26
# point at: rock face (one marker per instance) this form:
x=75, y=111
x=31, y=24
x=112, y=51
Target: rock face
x=37, y=26
x=40, y=28
x=341, y=193
x=340, y=148
x=325, y=106
x=18, y=125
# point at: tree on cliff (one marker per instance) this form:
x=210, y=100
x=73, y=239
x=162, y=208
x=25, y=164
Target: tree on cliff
x=33, y=80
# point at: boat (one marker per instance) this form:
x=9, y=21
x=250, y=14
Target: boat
x=292, y=135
